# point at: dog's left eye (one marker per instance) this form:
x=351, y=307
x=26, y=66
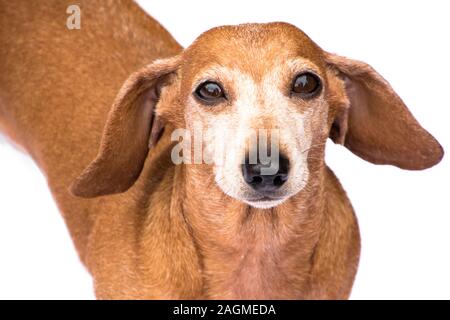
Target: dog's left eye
x=210, y=92
x=306, y=85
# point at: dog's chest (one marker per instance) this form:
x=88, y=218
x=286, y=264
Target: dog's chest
x=255, y=275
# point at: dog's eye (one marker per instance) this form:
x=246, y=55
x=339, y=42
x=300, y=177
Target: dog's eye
x=306, y=85
x=209, y=92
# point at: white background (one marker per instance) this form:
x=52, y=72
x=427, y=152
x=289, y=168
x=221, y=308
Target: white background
x=404, y=216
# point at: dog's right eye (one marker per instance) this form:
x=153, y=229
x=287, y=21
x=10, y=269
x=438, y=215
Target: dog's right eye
x=209, y=92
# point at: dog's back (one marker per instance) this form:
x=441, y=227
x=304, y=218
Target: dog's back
x=57, y=85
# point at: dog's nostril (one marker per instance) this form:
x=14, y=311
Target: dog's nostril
x=279, y=180
x=256, y=180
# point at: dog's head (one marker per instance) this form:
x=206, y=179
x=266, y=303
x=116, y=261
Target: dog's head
x=269, y=97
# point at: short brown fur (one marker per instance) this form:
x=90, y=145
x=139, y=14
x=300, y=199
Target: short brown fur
x=169, y=232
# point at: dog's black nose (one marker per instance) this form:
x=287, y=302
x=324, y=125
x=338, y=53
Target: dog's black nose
x=266, y=183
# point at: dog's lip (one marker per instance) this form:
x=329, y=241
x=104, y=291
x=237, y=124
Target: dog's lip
x=265, y=198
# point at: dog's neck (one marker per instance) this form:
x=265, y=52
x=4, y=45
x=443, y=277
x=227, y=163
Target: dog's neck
x=247, y=252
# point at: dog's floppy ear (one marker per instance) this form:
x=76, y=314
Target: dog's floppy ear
x=130, y=130
x=376, y=125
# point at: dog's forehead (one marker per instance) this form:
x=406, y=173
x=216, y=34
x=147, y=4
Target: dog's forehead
x=251, y=48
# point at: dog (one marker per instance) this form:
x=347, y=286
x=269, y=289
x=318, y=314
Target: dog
x=97, y=108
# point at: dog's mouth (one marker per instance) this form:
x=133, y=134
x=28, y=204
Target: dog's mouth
x=265, y=198
x=265, y=201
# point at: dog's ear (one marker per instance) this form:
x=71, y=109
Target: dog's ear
x=377, y=125
x=131, y=129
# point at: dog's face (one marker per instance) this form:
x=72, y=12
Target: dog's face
x=248, y=83
x=265, y=99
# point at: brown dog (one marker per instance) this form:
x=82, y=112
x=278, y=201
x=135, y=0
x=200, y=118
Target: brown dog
x=201, y=230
